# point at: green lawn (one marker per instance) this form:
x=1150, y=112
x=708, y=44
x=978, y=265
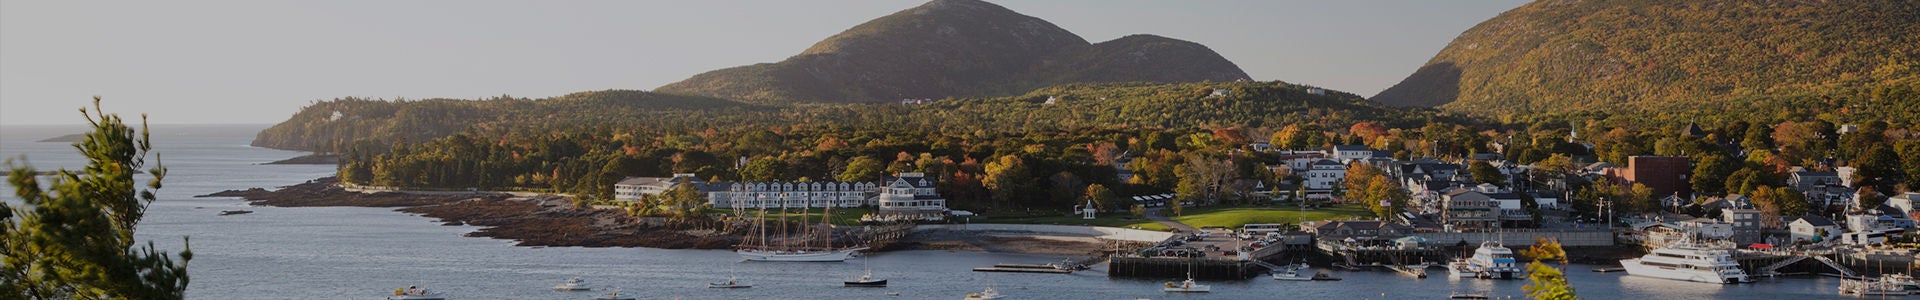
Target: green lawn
x=1119, y=220
x=841, y=216
x=1234, y=216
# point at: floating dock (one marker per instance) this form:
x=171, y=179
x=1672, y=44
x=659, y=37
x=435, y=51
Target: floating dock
x=1609, y=270
x=1047, y=270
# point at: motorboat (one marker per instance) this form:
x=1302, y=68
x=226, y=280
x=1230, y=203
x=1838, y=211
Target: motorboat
x=1688, y=261
x=1494, y=261
x=615, y=295
x=731, y=283
x=1292, y=273
x=417, y=293
x=1871, y=287
x=1187, y=286
x=1466, y=296
x=235, y=212
x=572, y=284
x=1460, y=268
x=988, y=294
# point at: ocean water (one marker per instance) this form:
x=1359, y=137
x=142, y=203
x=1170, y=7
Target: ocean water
x=364, y=253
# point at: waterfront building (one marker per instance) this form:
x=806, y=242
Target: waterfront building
x=909, y=194
x=1812, y=229
x=1462, y=208
x=1325, y=174
x=789, y=194
x=633, y=189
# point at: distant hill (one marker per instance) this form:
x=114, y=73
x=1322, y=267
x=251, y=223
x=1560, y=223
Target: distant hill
x=1557, y=56
x=956, y=48
x=332, y=126
x=339, y=125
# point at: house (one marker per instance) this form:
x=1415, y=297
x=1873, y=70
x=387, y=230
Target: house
x=1220, y=93
x=1462, y=209
x=1317, y=91
x=1804, y=180
x=1325, y=174
x=634, y=189
x=909, y=194
x=1692, y=131
x=1260, y=146
x=1548, y=199
x=1846, y=176
x=1350, y=153
x=1153, y=200
x=1878, y=220
x=1903, y=203
x=1366, y=233
x=1812, y=229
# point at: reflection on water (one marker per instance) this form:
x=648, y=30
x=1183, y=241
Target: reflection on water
x=364, y=253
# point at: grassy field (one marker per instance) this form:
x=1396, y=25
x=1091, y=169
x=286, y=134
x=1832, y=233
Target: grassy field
x=841, y=216
x=1119, y=220
x=1234, y=216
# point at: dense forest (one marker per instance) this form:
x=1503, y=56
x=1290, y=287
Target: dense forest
x=1698, y=57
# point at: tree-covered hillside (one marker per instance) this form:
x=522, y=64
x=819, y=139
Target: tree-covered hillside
x=956, y=48
x=1666, y=56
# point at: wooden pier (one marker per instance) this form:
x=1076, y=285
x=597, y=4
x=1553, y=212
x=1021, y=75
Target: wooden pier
x=1173, y=267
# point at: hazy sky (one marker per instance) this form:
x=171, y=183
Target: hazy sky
x=202, y=62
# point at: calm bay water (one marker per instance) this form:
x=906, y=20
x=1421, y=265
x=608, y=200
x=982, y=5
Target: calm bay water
x=364, y=253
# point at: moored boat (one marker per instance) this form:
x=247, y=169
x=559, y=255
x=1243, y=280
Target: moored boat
x=417, y=293
x=1187, y=286
x=988, y=294
x=731, y=283
x=615, y=295
x=1688, y=261
x=866, y=280
x=572, y=284
x=1460, y=268
x=1292, y=273
x=1492, y=260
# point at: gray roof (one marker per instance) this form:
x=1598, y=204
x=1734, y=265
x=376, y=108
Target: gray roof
x=1814, y=220
x=1351, y=148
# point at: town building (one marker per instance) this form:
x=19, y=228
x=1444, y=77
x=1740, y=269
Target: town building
x=634, y=189
x=1350, y=153
x=1665, y=175
x=1463, y=209
x=1804, y=180
x=789, y=194
x=909, y=194
x=1812, y=229
x=1324, y=174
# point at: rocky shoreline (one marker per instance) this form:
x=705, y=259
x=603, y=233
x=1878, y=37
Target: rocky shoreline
x=309, y=159
x=542, y=220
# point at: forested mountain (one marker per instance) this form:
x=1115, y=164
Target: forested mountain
x=956, y=48
x=1685, y=57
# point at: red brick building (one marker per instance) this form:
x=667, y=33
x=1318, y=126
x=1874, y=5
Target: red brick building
x=1666, y=175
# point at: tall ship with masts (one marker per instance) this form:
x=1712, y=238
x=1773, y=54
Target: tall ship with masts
x=815, y=242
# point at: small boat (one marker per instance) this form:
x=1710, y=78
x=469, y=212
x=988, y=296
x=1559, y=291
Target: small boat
x=1292, y=273
x=866, y=280
x=1187, y=286
x=988, y=294
x=417, y=293
x=1870, y=287
x=235, y=212
x=731, y=283
x=615, y=295
x=1460, y=268
x=1465, y=296
x=572, y=284
x=1324, y=277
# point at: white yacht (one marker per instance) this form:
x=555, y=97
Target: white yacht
x=1688, y=261
x=1494, y=261
x=572, y=284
